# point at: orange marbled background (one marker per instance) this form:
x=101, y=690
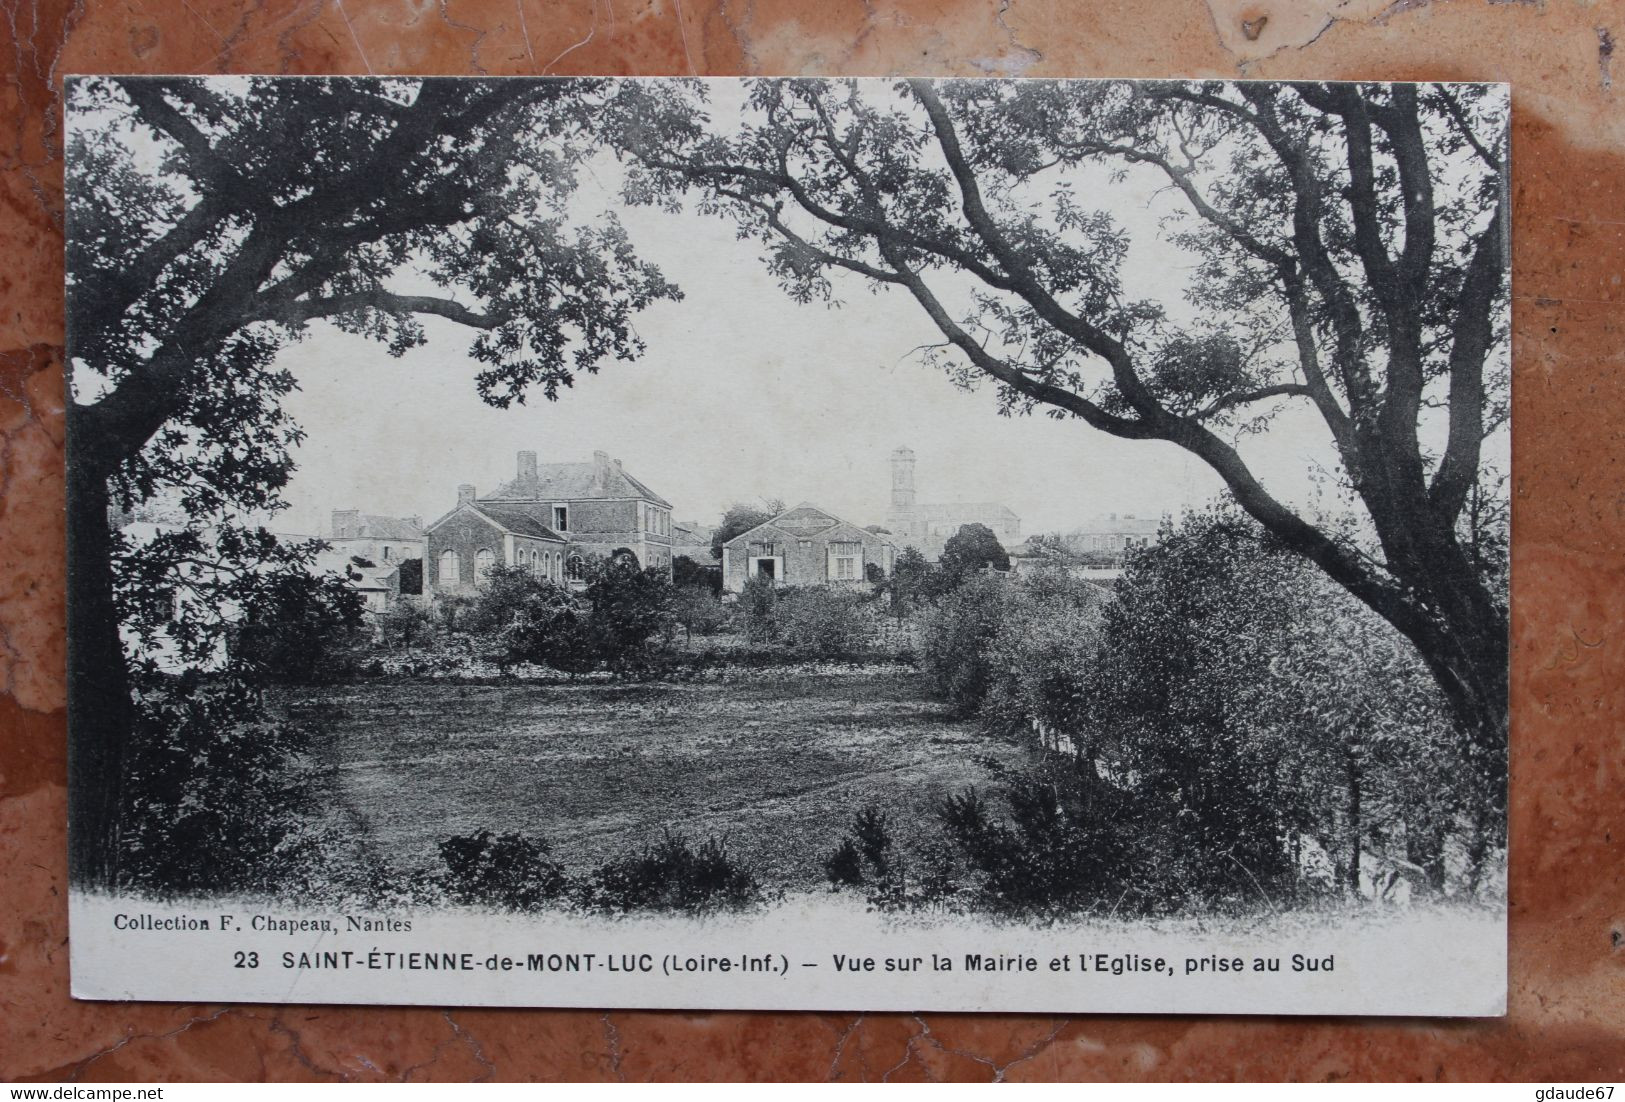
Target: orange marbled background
x=1567, y=1017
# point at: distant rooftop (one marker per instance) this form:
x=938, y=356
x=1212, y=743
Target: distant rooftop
x=603, y=477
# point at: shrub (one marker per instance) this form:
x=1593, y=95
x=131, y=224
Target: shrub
x=685, y=573
x=1267, y=705
x=673, y=876
x=697, y=608
x=1042, y=658
x=509, y=871
x=868, y=857
x=298, y=628
x=218, y=802
x=958, y=634
x=913, y=580
x=969, y=551
x=758, y=605
x=630, y=607
x=1057, y=852
x=844, y=865
x=407, y=623
x=823, y=622
x=521, y=617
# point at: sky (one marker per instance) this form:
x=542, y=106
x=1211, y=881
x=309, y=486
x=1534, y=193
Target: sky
x=743, y=395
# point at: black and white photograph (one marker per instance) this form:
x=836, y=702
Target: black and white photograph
x=846, y=544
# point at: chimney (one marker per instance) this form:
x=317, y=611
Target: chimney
x=600, y=470
x=527, y=468
x=465, y=494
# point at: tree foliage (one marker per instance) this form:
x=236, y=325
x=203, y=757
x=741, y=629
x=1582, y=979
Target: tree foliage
x=1243, y=687
x=1349, y=245
x=198, y=248
x=741, y=518
x=973, y=548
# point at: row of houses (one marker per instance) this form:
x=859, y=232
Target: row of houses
x=554, y=518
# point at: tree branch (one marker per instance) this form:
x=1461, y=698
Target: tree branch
x=299, y=311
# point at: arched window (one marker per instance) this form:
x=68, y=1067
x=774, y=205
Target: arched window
x=578, y=566
x=451, y=571
x=558, y=566
x=483, y=563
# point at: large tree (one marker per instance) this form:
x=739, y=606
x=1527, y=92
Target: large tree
x=1347, y=246
x=210, y=222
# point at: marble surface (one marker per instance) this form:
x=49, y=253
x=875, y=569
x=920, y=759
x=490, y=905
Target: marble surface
x=1563, y=57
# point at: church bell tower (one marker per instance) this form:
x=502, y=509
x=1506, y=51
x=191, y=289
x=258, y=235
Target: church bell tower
x=901, y=515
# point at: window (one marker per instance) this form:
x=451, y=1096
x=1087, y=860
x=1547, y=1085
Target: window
x=806, y=545
x=578, y=567
x=843, y=561
x=387, y=550
x=483, y=563
x=561, y=518
x=451, y=572
x=558, y=566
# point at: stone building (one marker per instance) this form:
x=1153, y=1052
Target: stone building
x=379, y=584
x=550, y=518
x=928, y=527
x=468, y=541
x=805, y=546
x=1109, y=535
x=378, y=538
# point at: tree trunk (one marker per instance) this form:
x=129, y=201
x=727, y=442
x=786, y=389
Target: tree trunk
x=1353, y=763
x=100, y=712
x=1468, y=656
x=1424, y=848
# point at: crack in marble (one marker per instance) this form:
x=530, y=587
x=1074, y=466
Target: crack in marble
x=908, y=1054
x=1033, y=56
x=524, y=33
x=440, y=1046
x=592, y=31
x=682, y=31
x=840, y=1045
x=355, y=38
x=925, y=1032
x=80, y=1068
x=287, y=53
x=1032, y=1051
x=474, y=1046
x=612, y=1036
x=473, y=47
x=296, y=1047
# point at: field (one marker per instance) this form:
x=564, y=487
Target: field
x=774, y=761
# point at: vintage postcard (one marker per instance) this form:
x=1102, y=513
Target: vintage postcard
x=1000, y=545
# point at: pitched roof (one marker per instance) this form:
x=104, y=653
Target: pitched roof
x=803, y=521
x=373, y=526
x=517, y=521
x=575, y=481
x=509, y=518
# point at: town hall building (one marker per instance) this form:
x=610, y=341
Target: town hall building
x=551, y=518
x=805, y=546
